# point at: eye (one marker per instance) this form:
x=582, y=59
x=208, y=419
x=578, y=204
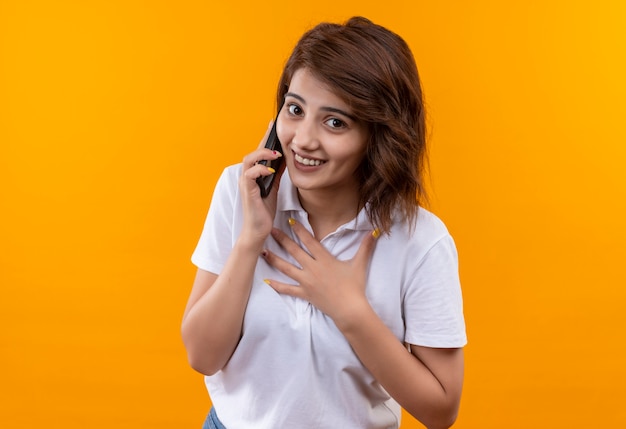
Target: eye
x=336, y=123
x=294, y=109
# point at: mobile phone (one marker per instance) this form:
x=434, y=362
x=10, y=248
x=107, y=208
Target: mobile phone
x=265, y=182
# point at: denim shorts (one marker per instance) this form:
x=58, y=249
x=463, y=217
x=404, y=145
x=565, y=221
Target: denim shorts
x=212, y=422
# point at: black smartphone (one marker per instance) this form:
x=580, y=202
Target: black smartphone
x=266, y=182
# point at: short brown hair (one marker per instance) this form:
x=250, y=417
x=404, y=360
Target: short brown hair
x=373, y=70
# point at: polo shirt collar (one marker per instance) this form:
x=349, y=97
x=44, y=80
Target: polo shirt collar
x=288, y=201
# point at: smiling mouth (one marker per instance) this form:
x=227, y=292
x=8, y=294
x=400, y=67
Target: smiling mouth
x=307, y=161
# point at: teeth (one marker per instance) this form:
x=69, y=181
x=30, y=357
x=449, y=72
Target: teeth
x=307, y=161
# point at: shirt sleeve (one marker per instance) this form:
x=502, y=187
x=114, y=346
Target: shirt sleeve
x=216, y=240
x=433, y=303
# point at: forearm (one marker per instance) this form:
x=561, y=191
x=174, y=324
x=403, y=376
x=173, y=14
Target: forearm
x=408, y=380
x=211, y=328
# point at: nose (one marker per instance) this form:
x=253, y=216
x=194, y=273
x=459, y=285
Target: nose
x=305, y=135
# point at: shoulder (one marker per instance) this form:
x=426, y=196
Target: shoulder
x=425, y=231
x=427, y=222
x=229, y=178
x=410, y=244
x=232, y=172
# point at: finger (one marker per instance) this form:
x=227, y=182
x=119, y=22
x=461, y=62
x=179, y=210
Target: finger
x=298, y=253
x=261, y=154
x=257, y=171
x=364, y=254
x=314, y=247
x=279, y=175
x=248, y=179
x=282, y=265
x=286, y=289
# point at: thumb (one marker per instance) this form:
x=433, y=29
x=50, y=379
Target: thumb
x=364, y=254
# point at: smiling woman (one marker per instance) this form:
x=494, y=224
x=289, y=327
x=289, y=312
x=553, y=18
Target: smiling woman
x=324, y=146
x=117, y=117
x=372, y=73
x=312, y=307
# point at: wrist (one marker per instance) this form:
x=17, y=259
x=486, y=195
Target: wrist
x=250, y=243
x=354, y=316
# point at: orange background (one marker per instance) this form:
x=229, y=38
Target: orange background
x=116, y=118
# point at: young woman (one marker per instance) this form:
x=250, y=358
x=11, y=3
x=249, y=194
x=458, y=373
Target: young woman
x=336, y=299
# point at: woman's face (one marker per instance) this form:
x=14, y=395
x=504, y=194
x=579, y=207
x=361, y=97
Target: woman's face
x=323, y=142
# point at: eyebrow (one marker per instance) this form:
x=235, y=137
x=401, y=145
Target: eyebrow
x=325, y=108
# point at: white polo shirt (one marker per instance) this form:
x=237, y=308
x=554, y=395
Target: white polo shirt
x=293, y=368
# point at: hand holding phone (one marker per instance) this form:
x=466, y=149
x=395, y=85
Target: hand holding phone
x=265, y=182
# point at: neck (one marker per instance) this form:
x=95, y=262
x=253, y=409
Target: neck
x=328, y=209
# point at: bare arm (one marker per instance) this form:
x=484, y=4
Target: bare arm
x=427, y=382
x=213, y=319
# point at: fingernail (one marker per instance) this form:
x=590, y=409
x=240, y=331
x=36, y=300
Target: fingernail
x=264, y=253
x=277, y=153
x=271, y=170
x=267, y=281
x=376, y=233
x=292, y=221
